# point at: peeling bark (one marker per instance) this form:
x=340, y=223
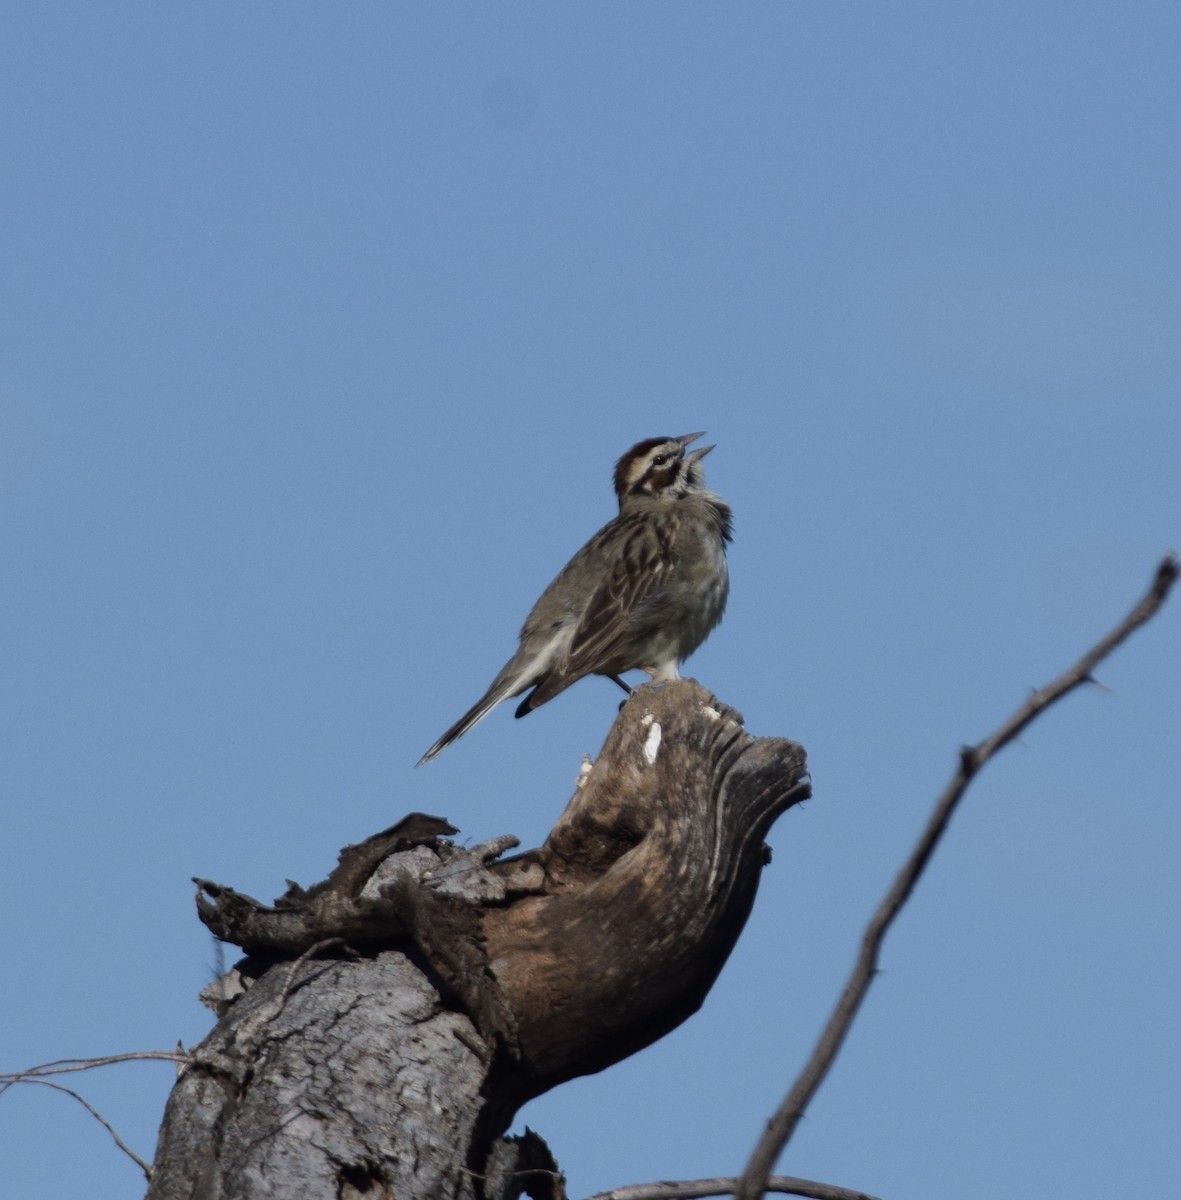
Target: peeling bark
x=388, y=1023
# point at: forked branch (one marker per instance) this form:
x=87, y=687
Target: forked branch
x=66, y=1066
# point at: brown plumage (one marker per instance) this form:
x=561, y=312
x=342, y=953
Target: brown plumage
x=644, y=592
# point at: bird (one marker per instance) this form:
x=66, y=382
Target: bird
x=644, y=592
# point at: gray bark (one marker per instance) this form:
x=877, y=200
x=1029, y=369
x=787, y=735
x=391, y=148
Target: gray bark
x=359, y=1082
x=396, y=1016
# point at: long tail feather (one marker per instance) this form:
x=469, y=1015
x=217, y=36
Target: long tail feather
x=514, y=678
x=478, y=711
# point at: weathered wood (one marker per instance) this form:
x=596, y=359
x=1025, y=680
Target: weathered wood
x=452, y=987
x=650, y=875
x=358, y=1082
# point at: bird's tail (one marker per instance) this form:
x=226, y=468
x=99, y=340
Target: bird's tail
x=514, y=678
x=491, y=698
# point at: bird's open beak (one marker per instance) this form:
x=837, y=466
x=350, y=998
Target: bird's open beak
x=687, y=439
x=694, y=455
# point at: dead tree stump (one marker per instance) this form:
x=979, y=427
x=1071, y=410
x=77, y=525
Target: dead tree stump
x=387, y=1024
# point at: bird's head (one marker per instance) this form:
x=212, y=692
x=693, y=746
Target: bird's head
x=661, y=466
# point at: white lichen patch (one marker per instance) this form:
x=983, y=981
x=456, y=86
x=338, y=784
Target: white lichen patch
x=584, y=769
x=652, y=743
x=711, y=712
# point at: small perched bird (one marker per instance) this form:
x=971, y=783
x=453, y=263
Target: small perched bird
x=644, y=592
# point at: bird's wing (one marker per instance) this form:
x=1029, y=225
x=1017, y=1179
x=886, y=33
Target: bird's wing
x=640, y=555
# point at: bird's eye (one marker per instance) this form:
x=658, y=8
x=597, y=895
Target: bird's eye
x=660, y=460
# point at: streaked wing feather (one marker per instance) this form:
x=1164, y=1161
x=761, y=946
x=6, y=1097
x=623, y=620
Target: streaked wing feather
x=644, y=556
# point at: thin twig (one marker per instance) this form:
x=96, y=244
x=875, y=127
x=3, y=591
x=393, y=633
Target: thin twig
x=61, y=1087
x=332, y=943
x=255, y=1026
x=693, y=1188
x=66, y=1066
x=755, y=1178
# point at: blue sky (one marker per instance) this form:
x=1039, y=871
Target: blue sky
x=323, y=328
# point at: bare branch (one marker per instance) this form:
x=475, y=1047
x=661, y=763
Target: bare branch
x=693, y=1188
x=61, y=1087
x=67, y=1066
x=755, y=1178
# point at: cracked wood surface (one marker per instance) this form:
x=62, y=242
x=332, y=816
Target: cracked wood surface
x=357, y=1078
